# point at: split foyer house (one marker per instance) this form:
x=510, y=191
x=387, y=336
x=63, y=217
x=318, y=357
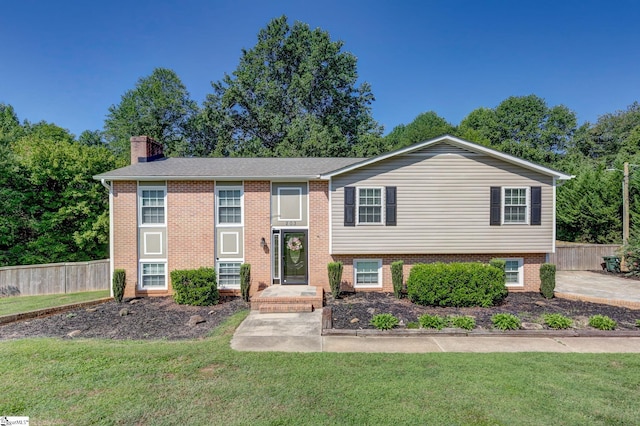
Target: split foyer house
x=444, y=199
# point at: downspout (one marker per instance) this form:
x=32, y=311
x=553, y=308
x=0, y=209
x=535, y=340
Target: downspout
x=111, y=249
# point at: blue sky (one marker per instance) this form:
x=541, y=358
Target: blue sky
x=67, y=61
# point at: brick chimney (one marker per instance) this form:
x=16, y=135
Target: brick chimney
x=144, y=149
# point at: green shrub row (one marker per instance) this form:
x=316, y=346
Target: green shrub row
x=438, y=322
x=196, y=287
x=456, y=284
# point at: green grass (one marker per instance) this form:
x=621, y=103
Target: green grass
x=17, y=304
x=205, y=382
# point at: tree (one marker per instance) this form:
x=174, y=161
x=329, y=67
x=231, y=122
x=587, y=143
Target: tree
x=523, y=126
x=160, y=107
x=425, y=126
x=294, y=93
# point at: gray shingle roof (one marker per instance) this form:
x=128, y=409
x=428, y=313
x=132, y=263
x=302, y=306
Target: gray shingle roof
x=220, y=168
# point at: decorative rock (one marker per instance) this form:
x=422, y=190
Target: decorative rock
x=91, y=309
x=123, y=312
x=212, y=312
x=541, y=303
x=531, y=326
x=194, y=320
x=371, y=310
x=355, y=320
x=134, y=301
x=74, y=333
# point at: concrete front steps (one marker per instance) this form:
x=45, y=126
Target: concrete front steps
x=288, y=299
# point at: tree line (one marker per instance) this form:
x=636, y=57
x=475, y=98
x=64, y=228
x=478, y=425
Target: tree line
x=294, y=94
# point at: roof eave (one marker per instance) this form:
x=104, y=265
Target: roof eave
x=201, y=178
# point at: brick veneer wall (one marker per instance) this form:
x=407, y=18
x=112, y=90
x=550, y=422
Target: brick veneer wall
x=257, y=225
x=190, y=225
x=532, y=264
x=125, y=232
x=319, y=233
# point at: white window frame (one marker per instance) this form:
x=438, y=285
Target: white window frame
x=162, y=188
x=520, y=261
x=228, y=287
x=141, y=264
x=527, y=205
x=382, y=205
x=355, y=273
x=217, y=206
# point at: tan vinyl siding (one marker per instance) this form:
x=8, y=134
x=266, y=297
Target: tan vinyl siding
x=442, y=205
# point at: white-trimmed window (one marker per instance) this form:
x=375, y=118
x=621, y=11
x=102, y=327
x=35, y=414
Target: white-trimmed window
x=370, y=205
x=367, y=273
x=153, y=275
x=229, y=210
x=514, y=272
x=229, y=274
x=515, y=202
x=152, y=205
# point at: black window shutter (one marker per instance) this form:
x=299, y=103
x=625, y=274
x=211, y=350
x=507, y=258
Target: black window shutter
x=496, y=206
x=536, y=205
x=391, y=203
x=349, y=206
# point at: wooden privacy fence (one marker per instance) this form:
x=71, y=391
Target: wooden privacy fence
x=54, y=278
x=581, y=257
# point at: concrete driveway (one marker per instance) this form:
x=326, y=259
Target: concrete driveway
x=598, y=288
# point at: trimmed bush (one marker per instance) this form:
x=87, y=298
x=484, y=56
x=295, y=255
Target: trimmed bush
x=557, y=321
x=505, y=321
x=335, y=277
x=602, y=322
x=197, y=287
x=433, y=321
x=464, y=322
x=547, y=279
x=638, y=323
x=397, y=277
x=384, y=321
x=456, y=284
x=119, y=282
x=245, y=281
x=498, y=263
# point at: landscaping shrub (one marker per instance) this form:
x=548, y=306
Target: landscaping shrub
x=245, y=280
x=547, y=279
x=384, y=321
x=414, y=324
x=631, y=254
x=397, y=277
x=557, y=321
x=602, y=322
x=119, y=283
x=464, y=322
x=335, y=277
x=456, y=284
x=505, y=321
x=196, y=287
x=638, y=323
x=498, y=263
x=433, y=321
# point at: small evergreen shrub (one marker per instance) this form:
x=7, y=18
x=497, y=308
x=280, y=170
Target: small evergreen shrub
x=384, y=321
x=638, y=323
x=197, y=287
x=335, y=277
x=433, y=321
x=505, y=321
x=547, y=279
x=602, y=322
x=456, y=284
x=557, y=321
x=463, y=322
x=397, y=277
x=415, y=324
x=245, y=280
x=119, y=282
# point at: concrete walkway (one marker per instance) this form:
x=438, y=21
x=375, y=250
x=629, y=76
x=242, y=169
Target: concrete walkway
x=598, y=288
x=301, y=332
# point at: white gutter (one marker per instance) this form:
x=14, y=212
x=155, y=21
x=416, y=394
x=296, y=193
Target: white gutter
x=111, y=249
x=206, y=178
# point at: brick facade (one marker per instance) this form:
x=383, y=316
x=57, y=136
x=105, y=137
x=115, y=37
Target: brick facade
x=319, y=233
x=125, y=232
x=257, y=225
x=531, y=267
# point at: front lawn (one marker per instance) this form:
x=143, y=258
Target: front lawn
x=17, y=304
x=200, y=382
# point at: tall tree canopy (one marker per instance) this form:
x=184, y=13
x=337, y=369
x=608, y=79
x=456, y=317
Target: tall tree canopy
x=425, y=126
x=160, y=107
x=293, y=94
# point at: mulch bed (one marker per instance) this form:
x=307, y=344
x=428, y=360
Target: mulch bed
x=354, y=311
x=146, y=318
